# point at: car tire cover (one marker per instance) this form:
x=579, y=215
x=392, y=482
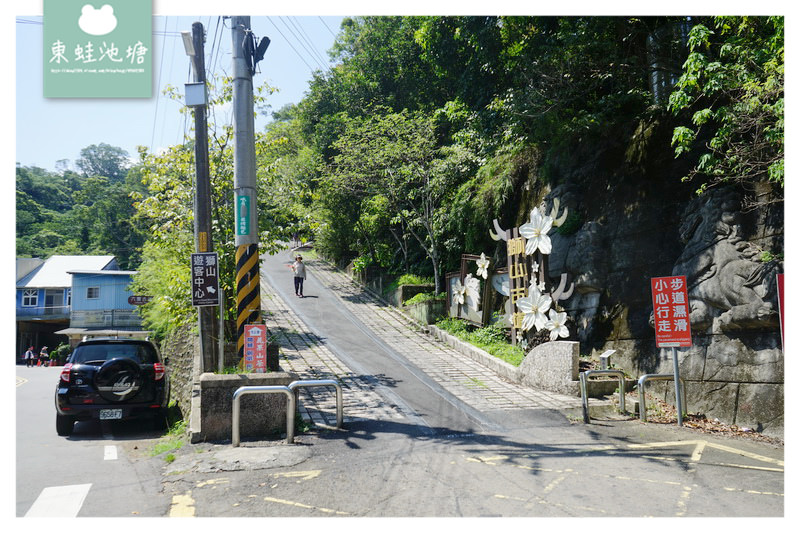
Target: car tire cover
x=118, y=379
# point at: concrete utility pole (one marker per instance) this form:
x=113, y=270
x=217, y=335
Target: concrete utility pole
x=209, y=331
x=248, y=295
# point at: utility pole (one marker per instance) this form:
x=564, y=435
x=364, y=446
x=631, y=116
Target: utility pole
x=248, y=295
x=209, y=331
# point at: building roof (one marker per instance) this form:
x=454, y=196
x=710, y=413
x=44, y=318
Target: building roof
x=55, y=271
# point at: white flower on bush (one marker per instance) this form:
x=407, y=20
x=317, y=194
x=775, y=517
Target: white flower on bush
x=534, y=306
x=483, y=266
x=535, y=233
x=557, y=325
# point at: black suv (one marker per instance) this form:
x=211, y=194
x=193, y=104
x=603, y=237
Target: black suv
x=111, y=379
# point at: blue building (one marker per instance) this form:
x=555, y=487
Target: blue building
x=67, y=297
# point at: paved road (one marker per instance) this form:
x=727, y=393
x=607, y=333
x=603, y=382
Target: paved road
x=102, y=469
x=425, y=435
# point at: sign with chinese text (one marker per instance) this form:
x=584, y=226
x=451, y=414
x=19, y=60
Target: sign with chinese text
x=243, y=215
x=671, y=312
x=255, y=348
x=138, y=300
x=205, y=279
x=97, y=52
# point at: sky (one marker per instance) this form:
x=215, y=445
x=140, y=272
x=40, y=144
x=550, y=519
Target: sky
x=49, y=130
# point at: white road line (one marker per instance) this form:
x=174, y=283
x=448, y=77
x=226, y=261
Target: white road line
x=109, y=453
x=61, y=502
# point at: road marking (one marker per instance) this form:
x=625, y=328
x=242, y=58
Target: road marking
x=109, y=453
x=21, y=381
x=59, y=502
x=182, y=505
x=303, y=475
x=304, y=506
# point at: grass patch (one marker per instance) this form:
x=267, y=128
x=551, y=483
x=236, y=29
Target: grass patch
x=173, y=440
x=492, y=339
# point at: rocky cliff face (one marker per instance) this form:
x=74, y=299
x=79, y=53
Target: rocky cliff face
x=633, y=219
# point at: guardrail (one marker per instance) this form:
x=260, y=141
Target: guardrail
x=294, y=385
x=655, y=377
x=291, y=406
x=265, y=389
x=584, y=389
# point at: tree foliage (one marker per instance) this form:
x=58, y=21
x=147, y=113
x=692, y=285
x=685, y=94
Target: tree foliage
x=732, y=90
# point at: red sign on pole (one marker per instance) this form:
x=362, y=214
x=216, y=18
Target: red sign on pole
x=671, y=312
x=255, y=348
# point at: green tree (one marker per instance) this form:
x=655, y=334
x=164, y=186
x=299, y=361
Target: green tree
x=395, y=155
x=732, y=90
x=104, y=160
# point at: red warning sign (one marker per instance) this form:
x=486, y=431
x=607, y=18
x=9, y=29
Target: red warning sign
x=671, y=311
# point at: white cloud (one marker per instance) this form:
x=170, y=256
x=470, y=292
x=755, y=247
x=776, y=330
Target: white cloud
x=97, y=21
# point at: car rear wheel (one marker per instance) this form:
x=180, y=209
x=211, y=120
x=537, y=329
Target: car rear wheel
x=64, y=425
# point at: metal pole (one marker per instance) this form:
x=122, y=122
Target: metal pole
x=678, y=399
x=221, y=364
x=248, y=298
x=202, y=203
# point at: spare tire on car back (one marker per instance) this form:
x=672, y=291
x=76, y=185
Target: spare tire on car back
x=118, y=379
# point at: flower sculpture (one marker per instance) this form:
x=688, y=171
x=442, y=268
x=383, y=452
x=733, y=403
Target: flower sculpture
x=557, y=325
x=483, y=266
x=534, y=306
x=472, y=290
x=459, y=293
x=468, y=293
x=535, y=233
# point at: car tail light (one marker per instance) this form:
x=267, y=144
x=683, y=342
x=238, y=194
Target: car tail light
x=158, y=369
x=65, y=372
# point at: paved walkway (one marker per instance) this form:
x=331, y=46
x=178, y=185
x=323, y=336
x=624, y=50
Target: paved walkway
x=304, y=353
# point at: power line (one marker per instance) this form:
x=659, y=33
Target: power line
x=307, y=39
x=291, y=45
x=300, y=42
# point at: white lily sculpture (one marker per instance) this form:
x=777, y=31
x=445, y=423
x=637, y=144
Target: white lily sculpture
x=467, y=293
x=483, y=266
x=459, y=293
x=535, y=233
x=472, y=292
x=557, y=325
x=534, y=306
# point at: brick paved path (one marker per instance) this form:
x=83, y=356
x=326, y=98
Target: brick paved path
x=305, y=354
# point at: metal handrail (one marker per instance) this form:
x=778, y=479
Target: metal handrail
x=655, y=377
x=265, y=389
x=294, y=385
x=584, y=391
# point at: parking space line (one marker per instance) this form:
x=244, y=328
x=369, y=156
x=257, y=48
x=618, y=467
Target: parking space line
x=109, y=453
x=59, y=502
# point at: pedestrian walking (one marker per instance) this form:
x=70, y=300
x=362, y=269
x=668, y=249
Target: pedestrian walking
x=30, y=357
x=44, y=357
x=299, y=275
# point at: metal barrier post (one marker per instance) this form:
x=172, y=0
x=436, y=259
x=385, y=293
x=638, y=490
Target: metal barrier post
x=267, y=389
x=656, y=377
x=294, y=385
x=584, y=389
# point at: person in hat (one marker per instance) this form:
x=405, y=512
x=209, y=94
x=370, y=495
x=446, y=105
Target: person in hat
x=299, y=269
x=44, y=357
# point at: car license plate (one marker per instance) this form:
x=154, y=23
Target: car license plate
x=110, y=414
